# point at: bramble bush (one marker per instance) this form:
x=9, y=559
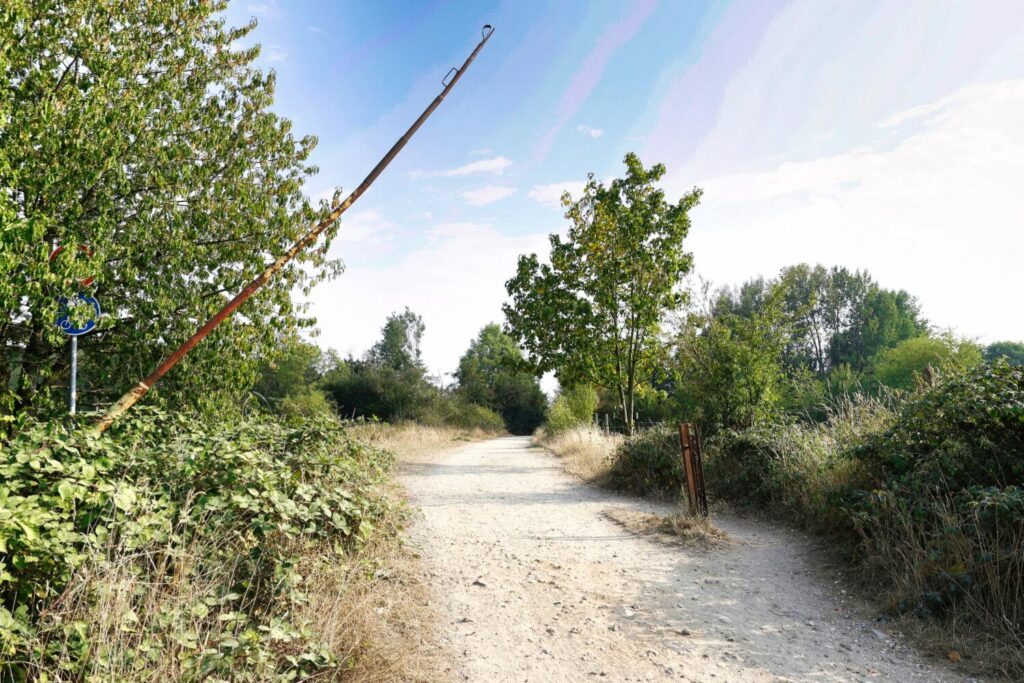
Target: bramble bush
x=170, y=548
x=929, y=493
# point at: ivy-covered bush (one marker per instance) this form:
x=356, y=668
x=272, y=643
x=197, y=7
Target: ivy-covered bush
x=173, y=542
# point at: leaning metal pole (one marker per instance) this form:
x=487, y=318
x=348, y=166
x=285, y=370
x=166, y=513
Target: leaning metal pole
x=139, y=390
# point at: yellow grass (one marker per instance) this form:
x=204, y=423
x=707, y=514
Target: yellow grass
x=586, y=450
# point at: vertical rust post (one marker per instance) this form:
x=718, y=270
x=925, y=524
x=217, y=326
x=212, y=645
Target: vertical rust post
x=139, y=390
x=693, y=467
x=687, y=452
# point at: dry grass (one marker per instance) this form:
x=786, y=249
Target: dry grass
x=675, y=529
x=413, y=442
x=586, y=451
x=983, y=625
x=376, y=612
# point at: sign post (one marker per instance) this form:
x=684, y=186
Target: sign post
x=74, y=329
x=72, y=325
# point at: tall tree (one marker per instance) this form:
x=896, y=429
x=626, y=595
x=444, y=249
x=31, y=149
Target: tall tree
x=1012, y=351
x=593, y=315
x=399, y=344
x=492, y=374
x=140, y=130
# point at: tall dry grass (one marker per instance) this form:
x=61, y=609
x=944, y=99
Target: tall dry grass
x=586, y=451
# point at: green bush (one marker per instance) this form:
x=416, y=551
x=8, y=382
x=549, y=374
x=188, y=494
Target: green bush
x=968, y=431
x=165, y=502
x=649, y=463
x=571, y=408
x=448, y=411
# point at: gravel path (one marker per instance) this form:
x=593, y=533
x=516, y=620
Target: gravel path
x=536, y=584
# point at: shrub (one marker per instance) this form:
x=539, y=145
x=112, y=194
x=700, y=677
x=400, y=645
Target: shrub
x=649, y=463
x=572, y=407
x=448, y=411
x=905, y=365
x=171, y=544
x=949, y=495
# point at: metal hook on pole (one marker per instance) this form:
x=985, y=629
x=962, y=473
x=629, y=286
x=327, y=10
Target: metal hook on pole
x=142, y=388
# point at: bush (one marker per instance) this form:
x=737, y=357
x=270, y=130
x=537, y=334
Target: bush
x=448, y=411
x=171, y=545
x=649, y=463
x=930, y=494
x=949, y=490
x=968, y=431
x=907, y=364
x=572, y=407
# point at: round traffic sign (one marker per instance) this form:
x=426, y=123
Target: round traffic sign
x=82, y=248
x=64, y=321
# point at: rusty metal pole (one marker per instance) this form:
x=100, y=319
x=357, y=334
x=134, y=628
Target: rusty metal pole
x=687, y=454
x=142, y=388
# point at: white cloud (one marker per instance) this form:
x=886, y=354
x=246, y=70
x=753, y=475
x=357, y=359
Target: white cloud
x=496, y=165
x=365, y=227
x=275, y=54
x=487, y=194
x=938, y=214
x=590, y=131
x=315, y=29
x=263, y=8
x=456, y=282
x=551, y=195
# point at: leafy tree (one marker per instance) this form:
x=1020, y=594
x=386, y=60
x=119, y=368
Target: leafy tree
x=881, y=320
x=491, y=374
x=141, y=130
x=399, y=345
x=909, y=363
x=1012, y=351
x=593, y=315
x=835, y=316
x=729, y=371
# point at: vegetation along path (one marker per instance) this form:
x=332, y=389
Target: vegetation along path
x=537, y=583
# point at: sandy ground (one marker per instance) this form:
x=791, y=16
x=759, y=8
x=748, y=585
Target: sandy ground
x=536, y=584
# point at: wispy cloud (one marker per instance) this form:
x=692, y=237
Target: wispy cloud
x=366, y=227
x=275, y=54
x=315, y=29
x=263, y=8
x=496, y=165
x=590, y=131
x=589, y=75
x=487, y=194
x=551, y=195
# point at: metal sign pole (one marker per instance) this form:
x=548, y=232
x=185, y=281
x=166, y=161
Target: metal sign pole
x=74, y=373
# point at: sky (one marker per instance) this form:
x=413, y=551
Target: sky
x=886, y=136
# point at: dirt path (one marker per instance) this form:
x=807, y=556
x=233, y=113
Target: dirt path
x=536, y=584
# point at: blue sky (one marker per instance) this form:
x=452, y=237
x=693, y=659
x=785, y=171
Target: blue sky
x=879, y=135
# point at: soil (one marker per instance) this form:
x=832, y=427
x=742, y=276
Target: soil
x=536, y=581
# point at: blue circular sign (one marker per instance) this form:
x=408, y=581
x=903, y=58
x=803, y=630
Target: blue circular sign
x=64, y=322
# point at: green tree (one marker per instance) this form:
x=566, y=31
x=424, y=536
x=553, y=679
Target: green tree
x=141, y=130
x=491, y=373
x=907, y=364
x=728, y=367
x=1012, y=351
x=593, y=315
x=399, y=345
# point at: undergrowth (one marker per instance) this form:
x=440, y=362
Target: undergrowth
x=183, y=550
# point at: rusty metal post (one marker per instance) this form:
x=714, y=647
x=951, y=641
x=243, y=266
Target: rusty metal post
x=139, y=390
x=689, y=443
x=687, y=453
